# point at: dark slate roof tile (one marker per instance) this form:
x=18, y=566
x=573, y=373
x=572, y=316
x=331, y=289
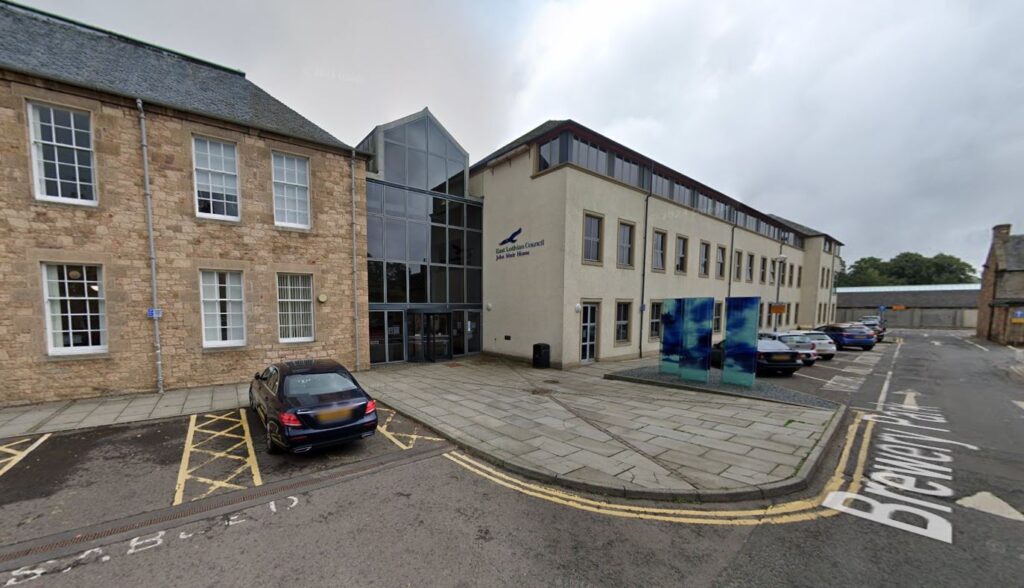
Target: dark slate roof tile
x=58, y=49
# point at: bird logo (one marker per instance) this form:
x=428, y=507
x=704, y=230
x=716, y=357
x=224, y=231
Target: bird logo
x=511, y=238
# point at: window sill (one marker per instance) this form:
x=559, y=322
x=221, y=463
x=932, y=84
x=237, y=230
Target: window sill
x=78, y=356
x=621, y=266
x=622, y=343
x=224, y=219
x=703, y=275
x=217, y=348
x=69, y=201
x=295, y=342
x=657, y=271
x=593, y=263
x=293, y=228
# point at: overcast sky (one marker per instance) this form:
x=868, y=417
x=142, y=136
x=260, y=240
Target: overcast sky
x=894, y=126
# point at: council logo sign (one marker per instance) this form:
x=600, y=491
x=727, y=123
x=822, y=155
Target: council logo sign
x=510, y=247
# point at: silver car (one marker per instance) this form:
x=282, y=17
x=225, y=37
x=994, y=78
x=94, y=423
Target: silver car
x=797, y=342
x=823, y=344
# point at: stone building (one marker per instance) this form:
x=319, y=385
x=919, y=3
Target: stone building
x=257, y=225
x=1001, y=304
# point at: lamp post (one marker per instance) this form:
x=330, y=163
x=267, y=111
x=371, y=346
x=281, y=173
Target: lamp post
x=778, y=286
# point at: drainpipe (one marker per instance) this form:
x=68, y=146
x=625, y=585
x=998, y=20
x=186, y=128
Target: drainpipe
x=832, y=278
x=355, y=260
x=643, y=265
x=732, y=260
x=152, y=250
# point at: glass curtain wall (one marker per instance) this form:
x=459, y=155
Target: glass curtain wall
x=424, y=249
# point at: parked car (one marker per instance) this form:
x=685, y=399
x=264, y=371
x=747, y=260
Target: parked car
x=823, y=344
x=850, y=335
x=772, y=357
x=875, y=324
x=311, y=403
x=796, y=341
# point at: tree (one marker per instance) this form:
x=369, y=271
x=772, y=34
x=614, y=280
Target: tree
x=907, y=268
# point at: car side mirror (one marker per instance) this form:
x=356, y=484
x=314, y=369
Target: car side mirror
x=258, y=376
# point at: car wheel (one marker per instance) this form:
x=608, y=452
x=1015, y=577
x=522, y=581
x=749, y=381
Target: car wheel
x=271, y=446
x=827, y=357
x=868, y=347
x=809, y=362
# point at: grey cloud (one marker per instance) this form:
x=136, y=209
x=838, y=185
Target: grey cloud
x=894, y=126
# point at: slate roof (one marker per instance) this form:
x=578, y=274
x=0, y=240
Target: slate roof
x=959, y=298
x=526, y=139
x=1012, y=254
x=552, y=125
x=803, y=229
x=47, y=46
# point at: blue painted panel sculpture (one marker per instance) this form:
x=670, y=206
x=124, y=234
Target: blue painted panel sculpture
x=686, y=337
x=739, y=364
x=671, y=335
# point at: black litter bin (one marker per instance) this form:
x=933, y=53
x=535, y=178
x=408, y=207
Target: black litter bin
x=541, y=355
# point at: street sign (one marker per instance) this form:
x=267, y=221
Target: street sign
x=898, y=307
x=776, y=309
x=881, y=309
x=154, y=313
x=1017, y=318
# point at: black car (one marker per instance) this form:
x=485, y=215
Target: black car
x=311, y=403
x=772, y=357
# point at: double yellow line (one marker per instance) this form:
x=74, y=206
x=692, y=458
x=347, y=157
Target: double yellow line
x=790, y=512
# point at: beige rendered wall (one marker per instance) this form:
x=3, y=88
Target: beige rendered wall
x=522, y=294
x=552, y=205
x=113, y=234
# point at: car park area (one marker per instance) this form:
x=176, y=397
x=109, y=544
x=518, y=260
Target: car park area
x=63, y=481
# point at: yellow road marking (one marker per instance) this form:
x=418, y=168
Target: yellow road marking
x=179, y=487
x=795, y=511
x=18, y=454
x=393, y=437
x=253, y=465
x=194, y=444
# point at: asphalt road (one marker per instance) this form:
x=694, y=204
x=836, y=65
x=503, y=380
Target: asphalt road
x=375, y=514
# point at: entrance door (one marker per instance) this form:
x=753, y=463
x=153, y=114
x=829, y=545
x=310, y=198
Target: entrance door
x=588, y=333
x=438, y=337
x=459, y=332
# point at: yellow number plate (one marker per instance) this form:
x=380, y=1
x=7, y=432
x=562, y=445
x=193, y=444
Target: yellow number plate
x=336, y=414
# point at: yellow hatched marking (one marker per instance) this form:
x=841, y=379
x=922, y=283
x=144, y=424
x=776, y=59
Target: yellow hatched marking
x=795, y=511
x=199, y=436
x=16, y=455
x=394, y=437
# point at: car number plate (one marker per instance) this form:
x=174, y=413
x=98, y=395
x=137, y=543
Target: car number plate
x=780, y=357
x=336, y=414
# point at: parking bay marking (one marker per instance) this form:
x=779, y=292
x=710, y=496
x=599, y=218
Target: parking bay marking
x=12, y=452
x=392, y=436
x=200, y=435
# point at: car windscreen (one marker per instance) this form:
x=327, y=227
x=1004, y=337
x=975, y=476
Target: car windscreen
x=334, y=383
x=818, y=337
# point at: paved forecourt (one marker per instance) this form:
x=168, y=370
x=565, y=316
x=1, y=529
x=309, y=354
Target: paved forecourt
x=577, y=429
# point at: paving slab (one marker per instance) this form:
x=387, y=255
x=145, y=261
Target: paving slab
x=579, y=429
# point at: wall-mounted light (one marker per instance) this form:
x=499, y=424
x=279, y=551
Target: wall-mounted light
x=489, y=306
x=321, y=298
x=579, y=307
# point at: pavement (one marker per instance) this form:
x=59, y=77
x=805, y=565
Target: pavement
x=70, y=415
x=577, y=429
x=574, y=428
